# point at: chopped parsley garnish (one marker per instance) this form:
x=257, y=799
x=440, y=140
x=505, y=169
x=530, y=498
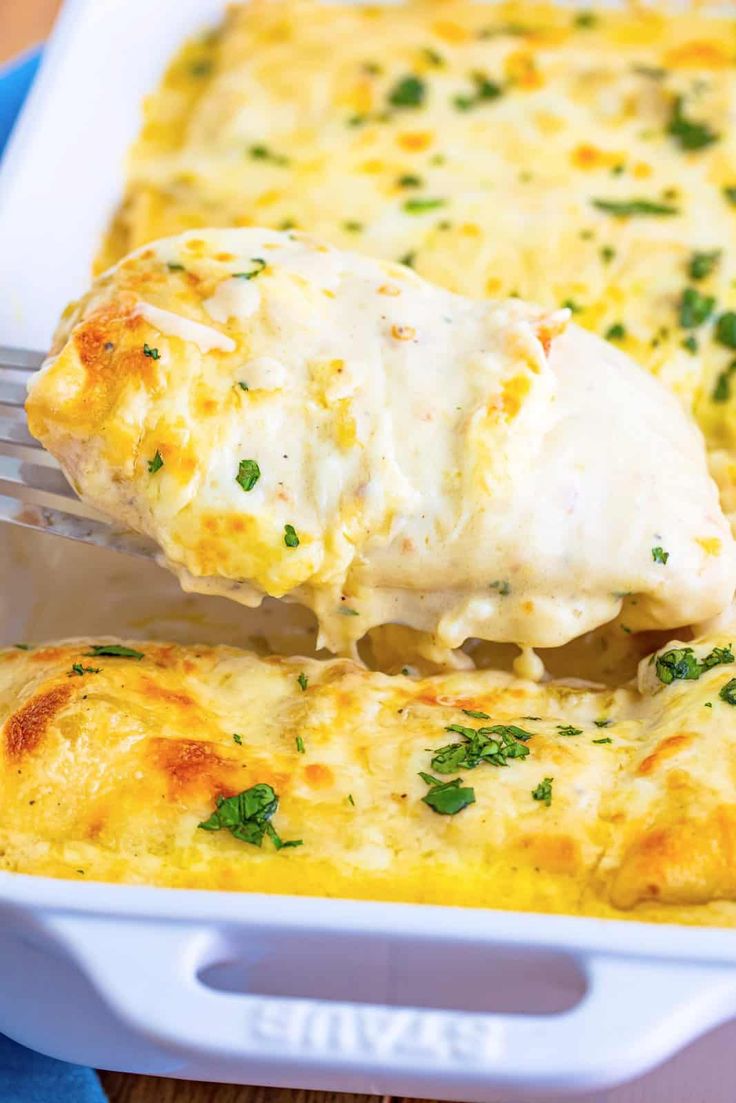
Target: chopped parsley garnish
x=722, y=388
x=682, y=664
x=410, y=91
x=688, y=133
x=695, y=308
x=410, y=180
x=702, y=265
x=303, y=681
x=730, y=194
x=419, y=205
x=153, y=354
x=22, y=646
x=112, y=651
x=606, y=739
x=201, y=68
x=476, y=715
x=719, y=656
x=432, y=57
x=585, y=20
x=248, y=817
x=447, y=798
x=290, y=537
x=484, y=90
x=173, y=266
x=690, y=344
x=603, y=723
x=726, y=330
x=727, y=693
x=543, y=791
x=494, y=745
x=626, y=208
x=568, y=729
x=347, y=611
x=352, y=227
x=659, y=555
x=243, y=385
x=616, y=332
x=80, y=671
x=607, y=253
x=349, y=799
x=502, y=586
x=258, y=265
x=263, y=153
x=299, y=744
x=156, y=463
x=238, y=739
x=248, y=474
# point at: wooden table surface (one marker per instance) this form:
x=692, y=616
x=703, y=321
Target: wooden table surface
x=24, y=23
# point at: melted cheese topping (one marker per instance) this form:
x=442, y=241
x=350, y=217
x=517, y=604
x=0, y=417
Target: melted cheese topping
x=477, y=141
x=639, y=822
x=341, y=432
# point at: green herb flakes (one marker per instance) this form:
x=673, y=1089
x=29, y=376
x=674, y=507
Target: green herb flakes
x=695, y=309
x=156, y=463
x=606, y=739
x=248, y=817
x=248, y=474
x=303, y=681
x=483, y=91
x=420, y=205
x=616, y=332
x=263, y=153
x=585, y=20
x=447, y=798
x=702, y=265
x=113, y=651
x=410, y=91
x=502, y=587
x=727, y=693
x=476, y=715
x=174, y=267
x=628, y=208
x=290, y=537
x=729, y=194
x=409, y=180
x=682, y=664
x=659, y=555
x=243, y=385
x=79, y=670
x=250, y=274
x=494, y=745
x=689, y=134
x=568, y=730
x=152, y=354
x=299, y=744
x=722, y=389
x=543, y=791
x=237, y=739
x=726, y=330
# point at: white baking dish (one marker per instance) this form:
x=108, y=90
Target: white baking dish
x=393, y=999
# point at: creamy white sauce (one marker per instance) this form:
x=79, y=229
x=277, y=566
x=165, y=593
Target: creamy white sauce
x=467, y=468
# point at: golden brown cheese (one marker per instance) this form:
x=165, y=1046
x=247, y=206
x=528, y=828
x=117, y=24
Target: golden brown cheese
x=561, y=155
x=625, y=803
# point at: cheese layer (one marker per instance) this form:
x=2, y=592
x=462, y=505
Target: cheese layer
x=285, y=418
x=623, y=805
x=558, y=154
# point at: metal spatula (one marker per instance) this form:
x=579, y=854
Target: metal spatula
x=34, y=493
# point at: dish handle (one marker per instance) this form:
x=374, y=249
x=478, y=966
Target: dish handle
x=635, y=1013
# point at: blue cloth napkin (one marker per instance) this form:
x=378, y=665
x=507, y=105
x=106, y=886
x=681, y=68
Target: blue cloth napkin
x=25, y=1076
x=28, y=1077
